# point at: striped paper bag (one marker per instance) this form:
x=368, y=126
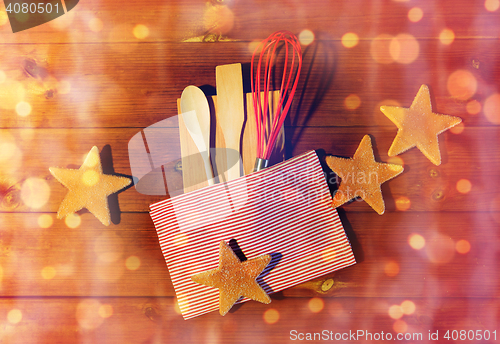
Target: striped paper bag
x=284, y=211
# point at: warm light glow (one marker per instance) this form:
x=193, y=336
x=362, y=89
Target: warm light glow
x=176, y=308
x=379, y=49
x=90, y=178
x=95, y=24
x=352, y=102
x=473, y=107
x=395, y=311
x=105, y=311
x=440, y=249
x=329, y=254
x=396, y=160
x=271, y=316
x=491, y=5
x=316, y=305
x=64, y=87
x=462, y=246
x=416, y=241
x=458, y=129
x=182, y=302
x=415, y=14
x=403, y=203
x=7, y=151
x=87, y=314
x=132, y=263
x=464, y=186
x=306, y=37
x=492, y=108
x=63, y=22
x=447, y=36
x=350, y=40
x=27, y=134
x=218, y=19
x=73, y=220
x=400, y=326
x=108, y=247
x=11, y=93
x=23, y=109
x=181, y=239
x=14, y=316
x=462, y=84
x=408, y=307
x=48, y=272
x=35, y=192
x=3, y=77
x=3, y=18
x=404, y=48
x=141, y=31
x=91, y=159
x=391, y=268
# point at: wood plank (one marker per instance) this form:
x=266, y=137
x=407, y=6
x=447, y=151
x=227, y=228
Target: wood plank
x=93, y=86
x=148, y=320
x=91, y=260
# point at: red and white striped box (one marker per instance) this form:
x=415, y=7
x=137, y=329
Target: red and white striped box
x=284, y=210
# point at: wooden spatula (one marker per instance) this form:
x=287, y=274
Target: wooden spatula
x=230, y=111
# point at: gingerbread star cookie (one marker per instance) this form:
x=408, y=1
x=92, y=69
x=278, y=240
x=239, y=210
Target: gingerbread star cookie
x=419, y=126
x=235, y=278
x=361, y=176
x=88, y=188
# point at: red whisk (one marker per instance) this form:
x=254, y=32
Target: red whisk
x=268, y=126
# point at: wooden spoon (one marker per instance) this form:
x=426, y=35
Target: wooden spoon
x=196, y=117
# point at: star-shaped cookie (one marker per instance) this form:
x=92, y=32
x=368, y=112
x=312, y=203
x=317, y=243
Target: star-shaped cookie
x=361, y=176
x=419, y=126
x=235, y=278
x=88, y=188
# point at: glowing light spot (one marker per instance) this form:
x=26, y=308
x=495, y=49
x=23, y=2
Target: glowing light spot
x=3, y=76
x=95, y=24
x=105, y=311
x=87, y=314
x=91, y=159
x=63, y=22
x=182, y=302
x=440, y=249
x=48, y=272
x=329, y=254
x=11, y=93
x=218, y=19
x=23, y=109
x=492, y=108
x=181, y=239
x=464, y=186
x=64, y=87
x=7, y=151
x=473, y=107
x=27, y=134
x=316, y=305
x=447, y=36
x=108, y=247
x=132, y=263
x=306, y=37
x=404, y=48
x=403, y=203
x=462, y=246
x=352, y=102
x=491, y=5
x=35, y=192
x=90, y=178
x=462, y=84
x=379, y=49
x=140, y=31
x=391, y=268
x=408, y=307
x=73, y=220
x=458, y=129
x=395, y=312
x=400, y=326
x=3, y=18
x=416, y=241
x=415, y=14
x=271, y=316
x=350, y=40
x=14, y=316
x=177, y=309
x=396, y=160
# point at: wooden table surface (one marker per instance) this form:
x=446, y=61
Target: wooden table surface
x=108, y=69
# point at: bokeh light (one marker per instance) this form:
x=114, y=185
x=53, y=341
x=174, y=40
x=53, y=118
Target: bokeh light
x=350, y=40
x=415, y=14
x=391, y=268
x=73, y=220
x=306, y=37
x=271, y=316
x=90, y=178
x=218, y=19
x=63, y=22
x=403, y=203
x=464, y=186
x=462, y=84
x=14, y=316
x=87, y=314
x=396, y=160
x=492, y=108
x=458, y=129
x=404, y=48
x=3, y=18
x=105, y=311
x=352, y=102
x=132, y=263
x=408, y=307
x=35, y=192
x=416, y=241
x=48, y=272
x=11, y=93
x=462, y=246
x=140, y=31
x=400, y=326
x=315, y=305
x=108, y=247
x=379, y=49
x=329, y=254
x=473, y=107
x=3, y=76
x=181, y=239
x=491, y=5
x=23, y=109
x=446, y=36
x=95, y=24
x=395, y=312
x=440, y=249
